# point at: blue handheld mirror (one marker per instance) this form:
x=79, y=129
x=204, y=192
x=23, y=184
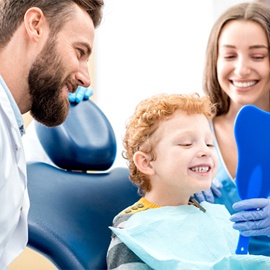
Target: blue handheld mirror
x=252, y=135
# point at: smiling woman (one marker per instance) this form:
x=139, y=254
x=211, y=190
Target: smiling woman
x=237, y=74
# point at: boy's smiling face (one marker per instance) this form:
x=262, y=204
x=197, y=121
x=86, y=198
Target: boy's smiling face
x=186, y=159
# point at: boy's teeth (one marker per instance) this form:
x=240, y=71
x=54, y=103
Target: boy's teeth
x=200, y=169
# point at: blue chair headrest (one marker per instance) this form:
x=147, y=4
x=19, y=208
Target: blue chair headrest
x=85, y=141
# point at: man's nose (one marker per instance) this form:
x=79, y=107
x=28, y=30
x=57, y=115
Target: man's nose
x=82, y=76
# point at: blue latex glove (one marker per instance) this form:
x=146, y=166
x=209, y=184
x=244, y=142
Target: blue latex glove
x=209, y=195
x=80, y=94
x=253, y=218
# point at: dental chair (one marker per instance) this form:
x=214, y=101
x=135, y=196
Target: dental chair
x=73, y=203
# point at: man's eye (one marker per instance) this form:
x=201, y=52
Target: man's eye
x=81, y=52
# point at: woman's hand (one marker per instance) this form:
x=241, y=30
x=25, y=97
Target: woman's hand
x=253, y=217
x=209, y=195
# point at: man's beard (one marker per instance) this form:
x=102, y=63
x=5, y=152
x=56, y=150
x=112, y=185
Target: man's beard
x=46, y=80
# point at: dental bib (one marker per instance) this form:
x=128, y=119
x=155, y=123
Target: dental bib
x=184, y=237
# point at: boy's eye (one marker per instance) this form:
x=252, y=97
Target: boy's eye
x=185, y=144
x=210, y=144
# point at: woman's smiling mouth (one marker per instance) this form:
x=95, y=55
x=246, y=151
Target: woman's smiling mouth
x=243, y=84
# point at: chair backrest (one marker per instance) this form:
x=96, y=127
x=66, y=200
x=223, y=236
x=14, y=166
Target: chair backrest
x=85, y=141
x=71, y=209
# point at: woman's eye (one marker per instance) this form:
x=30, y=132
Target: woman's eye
x=258, y=57
x=229, y=57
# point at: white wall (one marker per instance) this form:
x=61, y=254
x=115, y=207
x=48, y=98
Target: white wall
x=220, y=5
x=145, y=47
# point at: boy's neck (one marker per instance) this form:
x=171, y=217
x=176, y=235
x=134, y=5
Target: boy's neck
x=147, y=204
x=163, y=200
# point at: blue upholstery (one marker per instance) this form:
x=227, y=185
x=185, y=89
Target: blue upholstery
x=85, y=141
x=71, y=210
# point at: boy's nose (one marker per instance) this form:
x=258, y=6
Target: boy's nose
x=204, y=150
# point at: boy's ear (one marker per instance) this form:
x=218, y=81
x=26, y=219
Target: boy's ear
x=34, y=22
x=143, y=163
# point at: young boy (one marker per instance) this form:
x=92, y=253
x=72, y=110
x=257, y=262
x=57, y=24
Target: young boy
x=171, y=155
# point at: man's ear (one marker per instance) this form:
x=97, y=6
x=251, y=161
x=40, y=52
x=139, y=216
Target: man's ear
x=35, y=23
x=143, y=163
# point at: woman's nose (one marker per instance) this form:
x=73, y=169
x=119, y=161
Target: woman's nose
x=242, y=68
